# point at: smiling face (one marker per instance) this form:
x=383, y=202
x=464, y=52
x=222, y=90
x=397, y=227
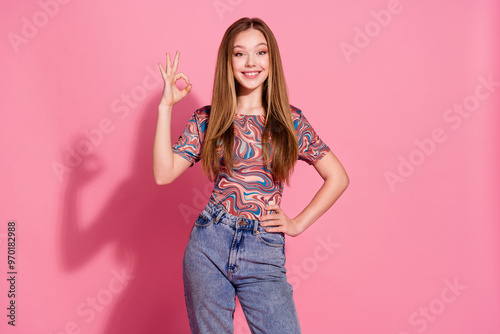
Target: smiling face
x=250, y=60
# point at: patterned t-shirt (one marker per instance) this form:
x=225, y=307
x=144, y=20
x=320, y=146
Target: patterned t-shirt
x=252, y=185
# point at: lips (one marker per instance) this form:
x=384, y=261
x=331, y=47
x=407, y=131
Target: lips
x=251, y=75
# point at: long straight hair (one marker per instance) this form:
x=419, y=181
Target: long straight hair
x=279, y=140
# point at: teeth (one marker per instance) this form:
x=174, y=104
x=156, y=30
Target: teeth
x=251, y=73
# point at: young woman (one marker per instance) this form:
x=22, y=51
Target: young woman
x=248, y=139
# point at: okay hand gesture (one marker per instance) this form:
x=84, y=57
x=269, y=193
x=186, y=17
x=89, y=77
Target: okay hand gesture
x=171, y=94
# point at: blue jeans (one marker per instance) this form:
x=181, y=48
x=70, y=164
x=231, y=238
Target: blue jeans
x=228, y=256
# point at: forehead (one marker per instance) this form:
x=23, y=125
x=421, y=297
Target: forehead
x=249, y=38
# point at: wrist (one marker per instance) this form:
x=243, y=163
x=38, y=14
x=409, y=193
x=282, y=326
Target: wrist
x=164, y=107
x=301, y=227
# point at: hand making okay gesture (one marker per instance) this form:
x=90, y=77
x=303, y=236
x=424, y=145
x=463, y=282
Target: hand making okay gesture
x=172, y=94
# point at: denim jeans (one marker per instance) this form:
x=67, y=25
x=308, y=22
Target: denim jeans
x=228, y=256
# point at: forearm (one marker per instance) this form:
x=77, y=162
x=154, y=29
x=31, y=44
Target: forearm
x=326, y=196
x=162, y=147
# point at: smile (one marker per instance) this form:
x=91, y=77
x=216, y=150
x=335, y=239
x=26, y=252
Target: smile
x=251, y=75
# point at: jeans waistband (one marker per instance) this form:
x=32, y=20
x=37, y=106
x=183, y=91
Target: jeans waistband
x=222, y=216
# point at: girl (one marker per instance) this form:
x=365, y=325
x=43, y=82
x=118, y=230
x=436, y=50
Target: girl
x=248, y=139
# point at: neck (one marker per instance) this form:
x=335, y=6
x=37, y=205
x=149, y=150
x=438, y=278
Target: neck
x=249, y=99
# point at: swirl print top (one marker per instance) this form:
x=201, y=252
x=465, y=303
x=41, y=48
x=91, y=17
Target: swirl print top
x=252, y=185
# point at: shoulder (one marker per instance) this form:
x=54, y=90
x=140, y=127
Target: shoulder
x=203, y=112
x=297, y=116
x=296, y=112
x=201, y=116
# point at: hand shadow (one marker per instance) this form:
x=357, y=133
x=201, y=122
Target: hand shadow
x=145, y=225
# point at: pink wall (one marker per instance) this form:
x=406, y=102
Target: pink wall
x=406, y=93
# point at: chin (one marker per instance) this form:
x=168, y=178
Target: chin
x=253, y=86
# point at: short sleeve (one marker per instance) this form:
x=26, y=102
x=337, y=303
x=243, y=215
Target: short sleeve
x=189, y=143
x=311, y=147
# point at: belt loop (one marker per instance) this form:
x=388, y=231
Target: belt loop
x=218, y=216
x=256, y=226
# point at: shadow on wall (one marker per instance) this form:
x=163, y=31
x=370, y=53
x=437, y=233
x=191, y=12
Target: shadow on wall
x=144, y=224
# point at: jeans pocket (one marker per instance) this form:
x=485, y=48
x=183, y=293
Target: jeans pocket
x=274, y=239
x=205, y=219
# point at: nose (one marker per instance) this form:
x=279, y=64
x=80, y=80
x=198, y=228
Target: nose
x=250, y=60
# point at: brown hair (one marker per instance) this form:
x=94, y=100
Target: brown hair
x=278, y=121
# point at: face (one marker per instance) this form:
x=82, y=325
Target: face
x=250, y=60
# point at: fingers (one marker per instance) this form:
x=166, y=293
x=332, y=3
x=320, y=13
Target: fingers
x=183, y=76
x=186, y=89
x=169, y=69
x=165, y=71
x=176, y=61
x=274, y=207
x=169, y=64
x=163, y=74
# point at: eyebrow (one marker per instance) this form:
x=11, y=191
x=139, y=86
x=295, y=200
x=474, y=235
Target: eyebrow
x=240, y=46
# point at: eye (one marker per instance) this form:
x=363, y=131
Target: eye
x=262, y=52
x=237, y=54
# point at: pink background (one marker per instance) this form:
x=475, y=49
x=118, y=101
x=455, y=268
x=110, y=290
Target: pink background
x=99, y=245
